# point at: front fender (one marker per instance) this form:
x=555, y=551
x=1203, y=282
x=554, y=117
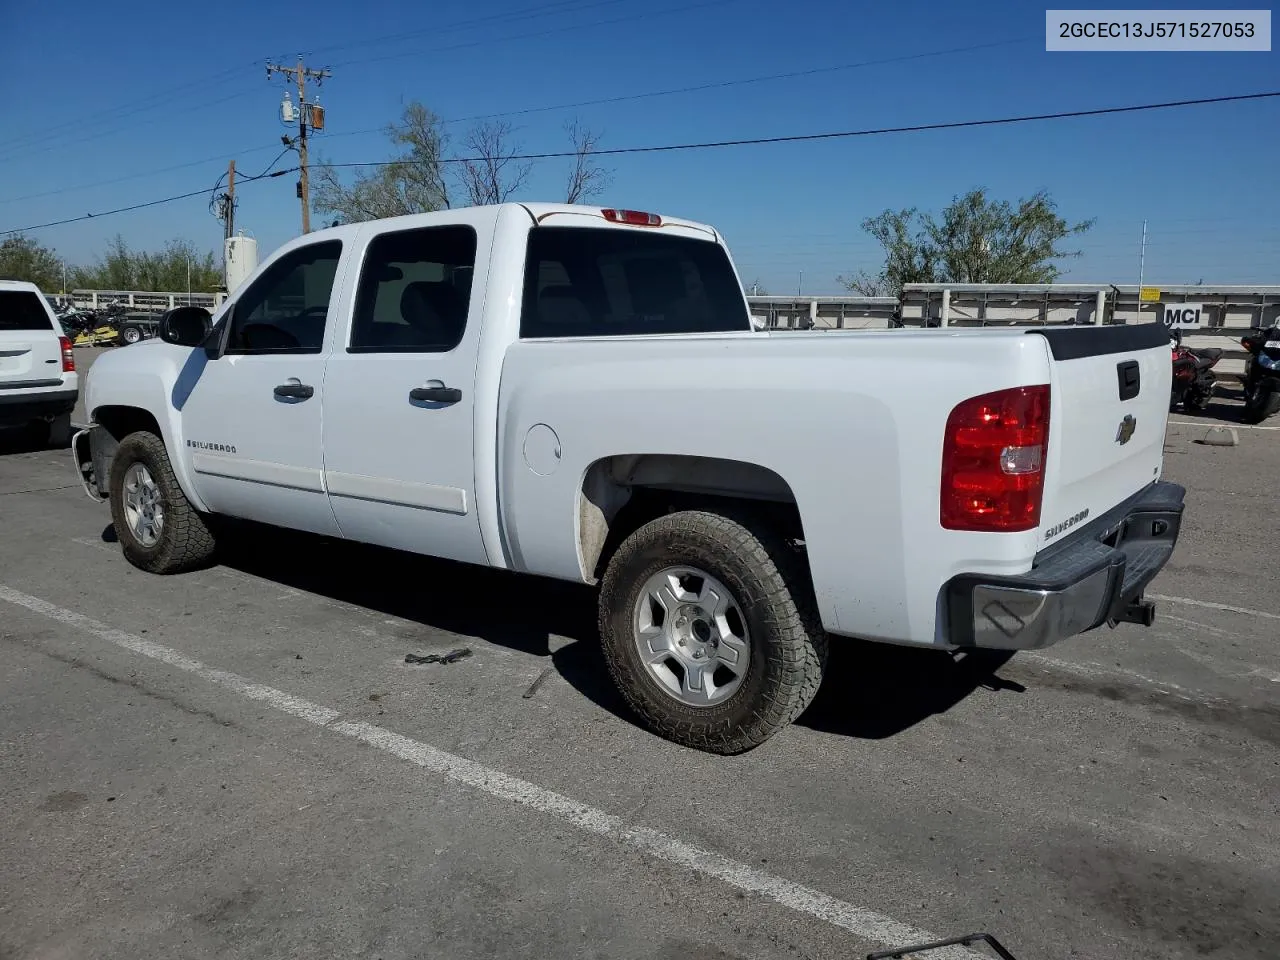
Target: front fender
x=154, y=377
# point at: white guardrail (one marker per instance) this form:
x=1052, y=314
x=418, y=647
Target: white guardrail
x=1210, y=316
x=1223, y=313
x=145, y=301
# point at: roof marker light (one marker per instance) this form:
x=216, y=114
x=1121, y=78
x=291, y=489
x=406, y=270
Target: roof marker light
x=633, y=218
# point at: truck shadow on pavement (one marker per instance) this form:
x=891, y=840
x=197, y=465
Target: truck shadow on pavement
x=872, y=691
x=22, y=439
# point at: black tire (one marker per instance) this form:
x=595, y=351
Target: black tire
x=130, y=334
x=1262, y=403
x=59, y=432
x=185, y=541
x=769, y=584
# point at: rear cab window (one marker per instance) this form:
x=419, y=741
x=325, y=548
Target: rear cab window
x=594, y=282
x=22, y=311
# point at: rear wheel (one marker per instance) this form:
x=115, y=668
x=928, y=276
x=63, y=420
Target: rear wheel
x=158, y=529
x=710, y=630
x=131, y=334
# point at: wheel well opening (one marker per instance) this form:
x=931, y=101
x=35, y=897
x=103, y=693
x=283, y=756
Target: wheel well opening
x=620, y=494
x=122, y=421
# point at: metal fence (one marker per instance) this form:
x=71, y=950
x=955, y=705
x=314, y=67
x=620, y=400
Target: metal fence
x=1222, y=313
x=143, y=300
x=1235, y=308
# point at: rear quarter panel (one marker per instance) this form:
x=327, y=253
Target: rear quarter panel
x=852, y=422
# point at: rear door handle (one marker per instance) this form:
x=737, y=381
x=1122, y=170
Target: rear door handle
x=435, y=392
x=295, y=390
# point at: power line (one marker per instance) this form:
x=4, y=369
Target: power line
x=846, y=134
x=76, y=138
x=162, y=98
x=526, y=13
x=564, y=106
x=136, y=206
x=536, y=34
x=134, y=176
x=146, y=103
x=754, y=141
x=717, y=85
x=721, y=84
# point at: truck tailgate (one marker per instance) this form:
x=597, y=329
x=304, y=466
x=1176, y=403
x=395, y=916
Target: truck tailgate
x=1108, y=410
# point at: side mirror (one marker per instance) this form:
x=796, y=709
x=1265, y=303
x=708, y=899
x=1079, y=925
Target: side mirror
x=185, y=326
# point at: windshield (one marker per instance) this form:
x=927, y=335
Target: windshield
x=591, y=282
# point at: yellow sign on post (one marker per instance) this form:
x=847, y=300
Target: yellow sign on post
x=1149, y=294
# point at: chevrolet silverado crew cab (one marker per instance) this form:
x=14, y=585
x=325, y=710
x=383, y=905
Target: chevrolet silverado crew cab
x=578, y=393
x=38, y=381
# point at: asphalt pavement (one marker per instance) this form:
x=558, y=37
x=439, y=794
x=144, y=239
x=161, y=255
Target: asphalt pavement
x=239, y=763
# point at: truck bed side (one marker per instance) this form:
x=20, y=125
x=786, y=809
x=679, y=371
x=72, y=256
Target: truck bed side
x=853, y=426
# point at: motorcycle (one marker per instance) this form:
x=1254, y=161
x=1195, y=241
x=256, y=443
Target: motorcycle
x=76, y=321
x=1193, y=378
x=1261, y=374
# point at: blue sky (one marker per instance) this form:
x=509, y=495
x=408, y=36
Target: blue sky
x=183, y=86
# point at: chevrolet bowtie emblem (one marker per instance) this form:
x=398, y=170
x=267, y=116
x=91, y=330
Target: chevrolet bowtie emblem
x=1124, y=433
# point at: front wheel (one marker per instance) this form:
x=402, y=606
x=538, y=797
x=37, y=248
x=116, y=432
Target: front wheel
x=158, y=528
x=1261, y=401
x=710, y=630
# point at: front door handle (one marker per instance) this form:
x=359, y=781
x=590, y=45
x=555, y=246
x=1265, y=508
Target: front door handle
x=435, y=392
x=295, y=390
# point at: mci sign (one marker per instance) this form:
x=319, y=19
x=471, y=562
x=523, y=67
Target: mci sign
x=1183, y=316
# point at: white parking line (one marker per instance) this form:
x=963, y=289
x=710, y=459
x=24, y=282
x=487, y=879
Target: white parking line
x=1215, y=423
x=864, y=923
x=1244, y=611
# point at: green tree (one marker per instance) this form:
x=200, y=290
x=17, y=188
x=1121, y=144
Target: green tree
x=975, y=240
x=120, y=268
x=413, y=181
x=22, y=258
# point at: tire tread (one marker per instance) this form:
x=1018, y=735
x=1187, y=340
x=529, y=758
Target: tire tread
x=782, y=598
x=187, y=542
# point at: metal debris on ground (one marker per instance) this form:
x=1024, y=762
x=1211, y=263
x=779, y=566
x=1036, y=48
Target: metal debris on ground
x=453, y=656
x=533, y=687
x=901, y=953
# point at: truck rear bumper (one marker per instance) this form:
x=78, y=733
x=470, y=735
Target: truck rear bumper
x=1093, y=577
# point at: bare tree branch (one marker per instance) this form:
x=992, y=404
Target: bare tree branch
x=587, y=179
x=490, y=174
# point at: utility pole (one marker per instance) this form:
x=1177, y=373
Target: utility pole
x=310, y=117
x=225, y=210
x=1142, y=264
x=231, y=201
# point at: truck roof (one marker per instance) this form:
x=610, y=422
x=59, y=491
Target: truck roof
x=8, y=284
x=539, y=212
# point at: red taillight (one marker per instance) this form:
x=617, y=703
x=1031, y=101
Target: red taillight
x=993, y=461
x=68, y=355
x=632, y=217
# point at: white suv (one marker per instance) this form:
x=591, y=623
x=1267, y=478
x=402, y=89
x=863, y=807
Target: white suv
x=38, y=381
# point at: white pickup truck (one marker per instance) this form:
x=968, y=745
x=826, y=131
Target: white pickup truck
x=578, y=393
